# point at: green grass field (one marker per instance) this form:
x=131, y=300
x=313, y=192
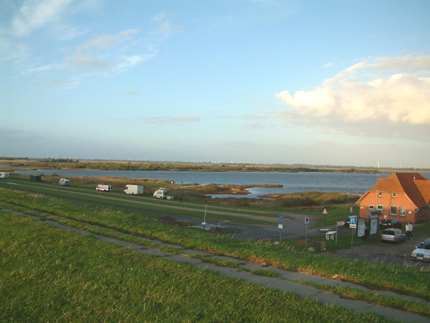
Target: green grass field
x=406, y=280
x=52, y=275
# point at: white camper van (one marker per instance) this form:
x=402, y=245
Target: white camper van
x=133, y=189
x=104, y=187
x=4, y=175
x=64, y=182
x=161, y=193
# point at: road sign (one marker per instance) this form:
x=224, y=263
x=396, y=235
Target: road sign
x=325, y=211
x=353, y=223
x=281, y=218
x=307, y=220
x=280, y=226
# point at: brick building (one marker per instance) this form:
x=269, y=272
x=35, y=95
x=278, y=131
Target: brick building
x=401, y=196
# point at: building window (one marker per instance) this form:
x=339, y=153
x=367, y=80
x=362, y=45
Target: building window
x=371, y=207
x=380, y=194
x=393, y=210
x=380, y=207
x=393, y=194
x=402, y=211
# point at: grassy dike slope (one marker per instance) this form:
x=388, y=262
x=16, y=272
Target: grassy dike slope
x=404, y=280
x=49, y=274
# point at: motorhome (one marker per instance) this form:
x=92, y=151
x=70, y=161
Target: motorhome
x=161, y=193
x=133, y=189
x=104, y=187
x=4, y=175
x=64, y=182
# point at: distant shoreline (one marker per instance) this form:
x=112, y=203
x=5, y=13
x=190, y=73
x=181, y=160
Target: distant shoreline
x=11, y=164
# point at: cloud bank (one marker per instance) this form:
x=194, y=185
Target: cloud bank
x=392, y=90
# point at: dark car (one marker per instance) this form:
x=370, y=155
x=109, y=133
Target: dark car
x=392, y=223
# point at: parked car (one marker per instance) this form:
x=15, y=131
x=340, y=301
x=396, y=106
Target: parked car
x=422, y=252
x=392, y=223
x=393, y=235
x=348, y=220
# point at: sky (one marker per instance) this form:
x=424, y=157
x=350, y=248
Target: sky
x=314, y=82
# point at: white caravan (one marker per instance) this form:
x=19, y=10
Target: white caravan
x=133, y=189
x=104, y=187
x=64, y=182
x=161, y=193
x=4, y=175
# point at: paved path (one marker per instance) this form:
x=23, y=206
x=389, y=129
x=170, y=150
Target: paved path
x=287, y=281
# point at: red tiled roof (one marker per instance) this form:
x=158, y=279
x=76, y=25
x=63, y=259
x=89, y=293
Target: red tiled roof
x=424, y=188
x=414, y=185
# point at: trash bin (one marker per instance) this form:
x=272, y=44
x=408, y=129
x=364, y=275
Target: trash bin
x=330, y=235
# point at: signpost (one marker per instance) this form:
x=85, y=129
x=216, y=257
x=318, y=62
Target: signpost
x=280, y=225
x=306, y=231
x=352, y=225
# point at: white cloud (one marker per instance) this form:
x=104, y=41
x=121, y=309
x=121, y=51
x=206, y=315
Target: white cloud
x=92, y=56
x=87, y=64
x=328, y=65
x=165, y=26
x=159, y=17
x=43, y=68
x=397, y=93
x=36, y=14
x=408, y=63
x=107, y=41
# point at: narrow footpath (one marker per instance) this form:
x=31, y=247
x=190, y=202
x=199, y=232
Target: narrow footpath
x=287, y=280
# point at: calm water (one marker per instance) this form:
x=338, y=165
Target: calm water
x=292, y=182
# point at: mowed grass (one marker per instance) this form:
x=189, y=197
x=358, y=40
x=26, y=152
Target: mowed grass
x=145, y=203
x=406, y=280
x=48, y=274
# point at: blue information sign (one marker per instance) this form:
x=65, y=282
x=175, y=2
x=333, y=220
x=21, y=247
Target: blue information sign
x=281, y=218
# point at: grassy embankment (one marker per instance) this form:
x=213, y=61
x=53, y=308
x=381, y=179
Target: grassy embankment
x=300, y=202
x=145, y=203
x=405, y=280
x=54, y=275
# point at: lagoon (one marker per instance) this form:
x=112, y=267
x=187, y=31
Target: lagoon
x=357, y=183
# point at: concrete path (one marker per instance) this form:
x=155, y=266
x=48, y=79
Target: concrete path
x=287, y=280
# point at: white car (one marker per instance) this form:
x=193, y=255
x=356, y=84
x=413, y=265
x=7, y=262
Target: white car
x=422, y=252
x=393, y=235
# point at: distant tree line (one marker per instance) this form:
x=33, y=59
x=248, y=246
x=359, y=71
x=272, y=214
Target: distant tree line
x=65, y=163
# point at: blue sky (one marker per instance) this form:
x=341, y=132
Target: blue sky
x=263, y=81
